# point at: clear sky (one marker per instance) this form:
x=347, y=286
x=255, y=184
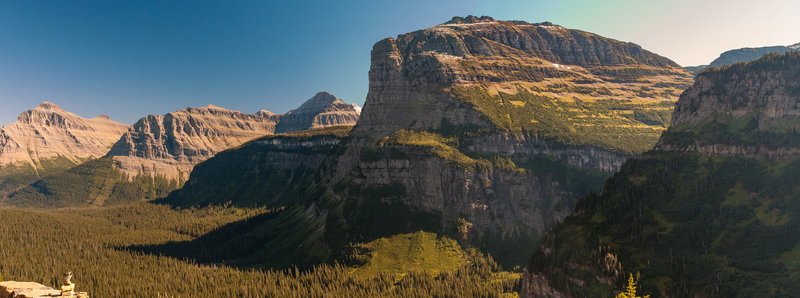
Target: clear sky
x=127, y=59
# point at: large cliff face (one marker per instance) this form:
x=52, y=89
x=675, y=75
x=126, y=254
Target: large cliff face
x=48, y=138
x=746, y=109
x=322, y=110
x=711, y=212
x=482, y=72
x=500, y=126
x=170, y=145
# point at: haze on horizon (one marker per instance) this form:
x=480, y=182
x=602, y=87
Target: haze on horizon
x=127, y=60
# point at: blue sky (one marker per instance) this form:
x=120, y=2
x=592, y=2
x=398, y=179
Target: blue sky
x=127, y=59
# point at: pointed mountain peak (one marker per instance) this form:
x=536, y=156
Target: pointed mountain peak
x=323, y=97
x=322, y=110
x=317, y=103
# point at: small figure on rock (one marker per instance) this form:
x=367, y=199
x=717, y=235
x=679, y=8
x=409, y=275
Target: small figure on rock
x=68, y=288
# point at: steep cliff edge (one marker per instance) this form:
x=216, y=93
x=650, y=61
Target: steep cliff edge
x=497, y=127
x=49, y=139
x=696, y=217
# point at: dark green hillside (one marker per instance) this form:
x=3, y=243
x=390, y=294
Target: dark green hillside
x=95, y=182
x=726, y=227
x=14, y=176
x=97, y=245
x=715, y=212
x=273, y=170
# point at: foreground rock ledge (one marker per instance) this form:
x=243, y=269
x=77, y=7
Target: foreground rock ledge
x=18, y=289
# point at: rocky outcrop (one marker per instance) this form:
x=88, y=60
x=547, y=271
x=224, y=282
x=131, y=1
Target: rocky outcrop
x=170, y=145
x=747, y=109
x=769, y=88
x=322, y=110
x=588, y=157
x=536, y=286
x=16, y=289
x=48, y=132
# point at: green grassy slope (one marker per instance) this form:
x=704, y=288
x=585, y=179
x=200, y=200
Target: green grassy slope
x=628, y=126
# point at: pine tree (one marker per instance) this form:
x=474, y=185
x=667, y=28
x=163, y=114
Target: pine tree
x=630, y=292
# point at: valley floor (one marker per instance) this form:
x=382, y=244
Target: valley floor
x=99, y=246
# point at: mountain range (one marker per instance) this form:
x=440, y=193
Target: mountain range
x=148, y=159
x=585, y=159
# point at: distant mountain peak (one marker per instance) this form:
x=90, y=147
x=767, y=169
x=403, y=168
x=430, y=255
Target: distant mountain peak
x=213, y=107
x=321, y=110
x=470, y=19
x=795, y=46
x=318, y=103
x=50, y=106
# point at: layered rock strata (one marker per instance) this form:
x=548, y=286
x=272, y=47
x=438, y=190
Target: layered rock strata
x=48, y=131
x=170, y=145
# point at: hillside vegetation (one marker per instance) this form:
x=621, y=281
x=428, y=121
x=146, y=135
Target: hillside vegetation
x=16, y=175
x=93, y=183
x=96, y=244
x=709, y=213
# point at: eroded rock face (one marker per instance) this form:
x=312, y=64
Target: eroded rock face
x=408, y=73
x=537, y=286
x=587, y=157
x=748, y=109
x=170, y=145
x=412, y=78
x=322, y=110
x=48, y=131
